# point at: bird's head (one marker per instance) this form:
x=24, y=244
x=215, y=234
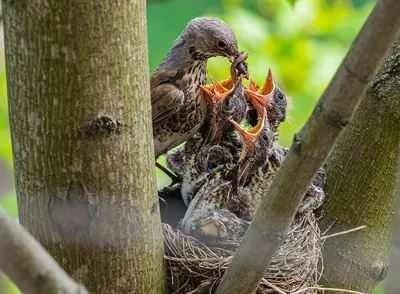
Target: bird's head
x=257, y=143
x=208, y=37
x=270, y=97
x=227, y=103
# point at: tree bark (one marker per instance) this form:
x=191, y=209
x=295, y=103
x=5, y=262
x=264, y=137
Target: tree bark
x=310, y=148
x=361, y=181
x=394, y=264
x=78, y=88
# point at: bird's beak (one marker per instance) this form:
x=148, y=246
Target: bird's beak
x=232, y=58
x=228, y=83
x=252, y=85
x=269, y=84
x=249, y=138
x=222, y=92
x=258, y=99
x=218, y=87
x=208, y=94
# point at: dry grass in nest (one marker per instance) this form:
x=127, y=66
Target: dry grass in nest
x=195, y=268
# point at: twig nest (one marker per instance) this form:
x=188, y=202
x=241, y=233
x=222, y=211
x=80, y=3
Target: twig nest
x=195, y=268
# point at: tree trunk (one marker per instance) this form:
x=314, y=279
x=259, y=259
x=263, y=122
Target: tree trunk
x=361, y=181
x=392, y=282
x=78, y=88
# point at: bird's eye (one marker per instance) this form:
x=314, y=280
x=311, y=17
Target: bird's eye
x=280, y=96
x=265, y=137
x=221, y=44
x=227, y=102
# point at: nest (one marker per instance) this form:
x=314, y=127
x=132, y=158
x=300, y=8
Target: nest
x=195, y=268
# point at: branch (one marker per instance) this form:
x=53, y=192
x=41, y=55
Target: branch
x=29, y=265
x=394, y=266
x=310, y=148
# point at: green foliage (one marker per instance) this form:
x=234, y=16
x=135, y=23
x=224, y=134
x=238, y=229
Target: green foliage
x=5, y=146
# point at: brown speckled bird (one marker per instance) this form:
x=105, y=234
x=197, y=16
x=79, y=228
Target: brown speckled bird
x=178, y=109
x=220, y=210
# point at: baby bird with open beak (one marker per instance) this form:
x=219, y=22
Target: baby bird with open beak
x=217, y=144
x=221, y=207
x=269, y=96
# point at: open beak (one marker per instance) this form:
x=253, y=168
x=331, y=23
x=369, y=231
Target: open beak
x=252, y=85
x=221, y=92
x=269, y=84
x=218, y=87
x=249, y=138
x=258, y=99
x=228, y=83
x=208, y=94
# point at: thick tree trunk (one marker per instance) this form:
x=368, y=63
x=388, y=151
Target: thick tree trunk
x=78, y=89
x=361, y=173
x=392, y=282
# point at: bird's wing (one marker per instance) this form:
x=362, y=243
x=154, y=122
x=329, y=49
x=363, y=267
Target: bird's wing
x=160, y=76
x=165, y=101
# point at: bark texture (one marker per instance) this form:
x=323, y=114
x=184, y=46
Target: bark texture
x=310, y=148
x=78, y=88
x=392, y=284
x=361, y=182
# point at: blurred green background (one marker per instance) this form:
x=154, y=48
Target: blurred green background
x=302, y=41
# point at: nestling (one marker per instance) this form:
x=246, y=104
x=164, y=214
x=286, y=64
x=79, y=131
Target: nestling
x=269, y=96
x=224, y=195
x=216, y=144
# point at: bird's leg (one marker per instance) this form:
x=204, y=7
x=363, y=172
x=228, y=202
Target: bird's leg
x=171, y=175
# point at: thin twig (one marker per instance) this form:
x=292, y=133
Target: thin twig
x=343, y=232
x=328, y=228
x=277, y=289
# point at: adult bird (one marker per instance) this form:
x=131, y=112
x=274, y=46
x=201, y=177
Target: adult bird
x=178, y=108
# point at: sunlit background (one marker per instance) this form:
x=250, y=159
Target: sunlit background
x=302, y=42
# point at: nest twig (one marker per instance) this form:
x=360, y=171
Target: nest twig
x=195, y=268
